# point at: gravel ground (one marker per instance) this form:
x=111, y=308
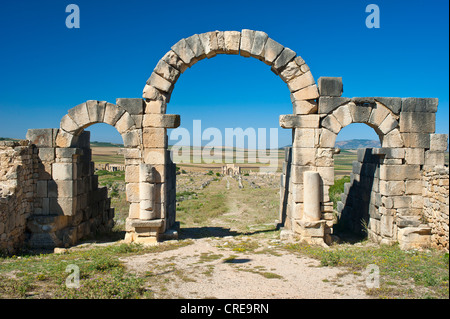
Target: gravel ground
x=214, y=268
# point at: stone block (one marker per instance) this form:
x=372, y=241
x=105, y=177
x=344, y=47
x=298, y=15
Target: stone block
x=41, y=189
x=393, y=139
x=46, y=154
x=304, y=107
x=438, y=142
x=331, y=123
x=80, y=115
x=388, y=124
x=330, y=86
x=63, y=171
x=284, y=58
x=159, y=82
x=379, y=113
x=299, y=121
x=112, y=114
x=327, y=138
x=232, y=41
x=390, y=153
x=167, y=71
x=291, y=71
x=328, y=104
x=196, y=46
x=132, y=138
x=387, y=225
x=326, y=175
x=416, y=140
x=324, y=156
x=307, y=93
x=415, y=156
x=154, y=137
x=161, y=120
x=134, y=106
x=392, y=188
x=413, y=187
x=209, y=43
x=174, y=60
x=182, y=49
x=303, y=156
x=399, y=172
x=434, y=158
x=258, y=44
x=272, y=50
x=392, y=103
x=155, y=156
x=65, y=188
x=125, y=123
x=360, y=113
x=132, y=190
x=41, y=137
x=305, y=137
x=96, y=110
x=417, y=122
x=428, y=105
x=298, y=170
x=301, y=82
x=343, y=115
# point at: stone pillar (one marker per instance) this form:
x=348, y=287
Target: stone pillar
x=311, y=196
x=146, y=192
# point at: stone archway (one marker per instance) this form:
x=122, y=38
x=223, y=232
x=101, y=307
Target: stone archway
x=283, y=61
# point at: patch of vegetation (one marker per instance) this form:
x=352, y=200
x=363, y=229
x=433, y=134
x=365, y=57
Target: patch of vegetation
x=422, y=269
x=337, y=189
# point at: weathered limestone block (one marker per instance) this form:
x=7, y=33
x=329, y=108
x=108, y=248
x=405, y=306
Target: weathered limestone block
x=284, y=58
x=306, y=137
x=46, y=154
x=388, y=124
x=392, y=139
x=232, y=41
x=41, y=137
x=159, y=82
x=414, y=237
x=291, y=71
x=330, y=86
x=331, y=123
x=303, y=156
x=392, y=188
x=174, y=60
x=309, y=230
x=96, y=110
x=378, y=115
x=209, y=43
x=328, y=104
x=112, y=114
x=417, y=122
x=182, y=49
x=299, y=121
x=246, y=44
x=147, y=173
x=161, y=120
x=399, y=172
x=301, y=82
x=392, y=103
x=259, y=41
x=221, y=48
x=343, y=115
x=390, y=153
x=64, y=171
x=69, y=125
x=196, y=46
x=413, y=187
x=155, y=156
x=416, y=140
x=167, y=71
x=327, y=138
x=132, y=138
x=415, y=156
x=125, y=123
x=324, y=157
x=326, y=175
x=304, y=107
x=438, y=142
x=272, y=50
x=155, y=106
x=434, y=158
x=154, y=137
x=307, y=93
x=79, y=114
x=420, y=105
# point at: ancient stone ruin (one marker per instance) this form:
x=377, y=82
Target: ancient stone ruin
x=49, y=194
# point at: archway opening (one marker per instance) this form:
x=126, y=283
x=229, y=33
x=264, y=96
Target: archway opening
x=105, y=147
x=355, y=193
x=229, y=148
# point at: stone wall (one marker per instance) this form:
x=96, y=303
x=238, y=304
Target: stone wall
x=17, y=188
x=436, y=204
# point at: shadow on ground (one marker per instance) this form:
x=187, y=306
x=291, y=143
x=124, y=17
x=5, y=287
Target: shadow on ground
x=203, y=232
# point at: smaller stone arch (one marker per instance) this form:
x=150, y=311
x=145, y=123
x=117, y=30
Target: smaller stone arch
x=92, y=111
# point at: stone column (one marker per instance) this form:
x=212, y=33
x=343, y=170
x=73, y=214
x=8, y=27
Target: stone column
x=311, y=196
x=146, y=192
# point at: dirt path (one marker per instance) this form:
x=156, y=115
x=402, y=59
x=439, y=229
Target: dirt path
x=241, y=267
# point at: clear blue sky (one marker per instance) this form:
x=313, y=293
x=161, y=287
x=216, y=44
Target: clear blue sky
x=46, y=68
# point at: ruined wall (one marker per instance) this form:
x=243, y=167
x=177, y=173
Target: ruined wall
x=436, y=204
x=17, y=189
x=67, y=203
